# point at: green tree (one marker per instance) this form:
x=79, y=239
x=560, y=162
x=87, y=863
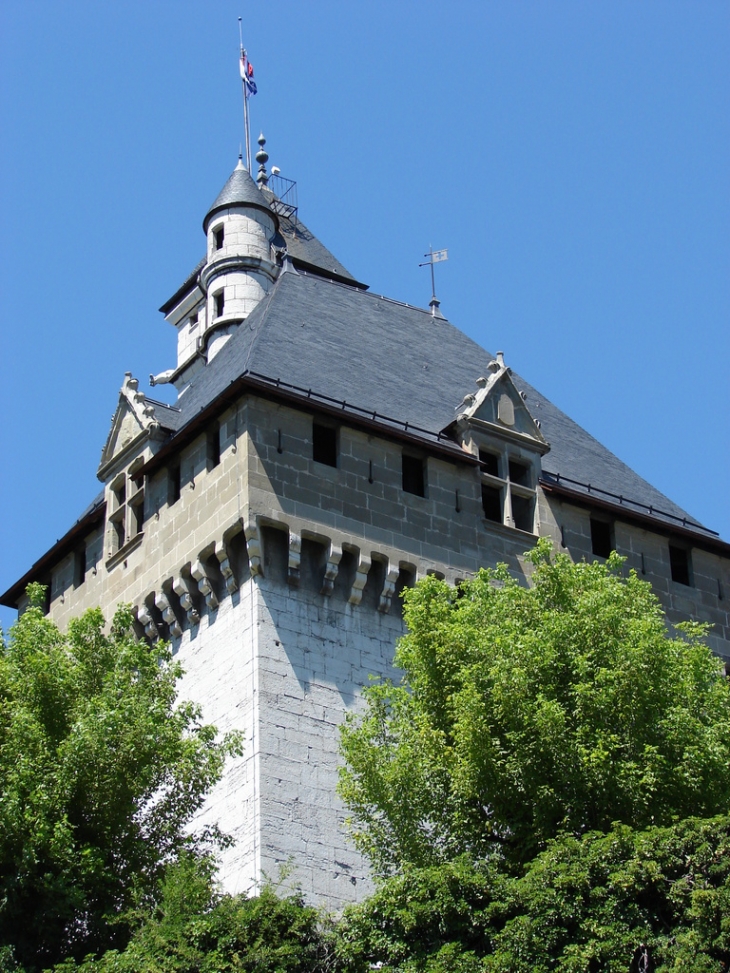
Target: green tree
x=101, y=771
x=195, y=929
x=583, y=905
x=528, y=712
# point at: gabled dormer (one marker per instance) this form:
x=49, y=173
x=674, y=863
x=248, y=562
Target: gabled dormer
x=494, y=424
x=131, y=441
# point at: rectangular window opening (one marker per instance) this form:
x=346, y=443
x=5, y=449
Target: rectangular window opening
x=522, y=513
x=218, y=238
x=120, y=494
x=137, y=511
x=414, y=479
x=679, y=564
x=119, y=535
x=602, y=542
x=173, y=484
x=79, y=566
x=220, y=303
x=519, y=473
x=490, y=463
x=324, y=444
x=213, y=447
x=492, y=503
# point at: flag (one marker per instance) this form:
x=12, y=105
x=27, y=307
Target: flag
x=246, y=69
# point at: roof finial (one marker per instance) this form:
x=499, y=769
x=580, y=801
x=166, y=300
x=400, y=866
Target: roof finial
x=262, y=157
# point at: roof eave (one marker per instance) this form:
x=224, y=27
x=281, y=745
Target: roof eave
x=273, y=389
x=659, y=525
x=59, y=550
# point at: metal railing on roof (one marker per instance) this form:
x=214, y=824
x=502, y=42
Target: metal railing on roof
x=558, y=478
x=371, y=414
x=285, y=202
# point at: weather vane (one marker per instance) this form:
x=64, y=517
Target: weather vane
x=434, y=257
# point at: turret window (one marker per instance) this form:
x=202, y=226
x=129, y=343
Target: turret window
x=218, y=238
x=220, y=303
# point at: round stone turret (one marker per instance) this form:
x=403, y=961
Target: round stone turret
x=239, y=269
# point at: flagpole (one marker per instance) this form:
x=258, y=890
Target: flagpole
x=244, y=92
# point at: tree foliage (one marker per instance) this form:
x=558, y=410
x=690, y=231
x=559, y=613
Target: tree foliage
x=101, y=771
x=195, y=929
x=584, y=905
x=528, y=712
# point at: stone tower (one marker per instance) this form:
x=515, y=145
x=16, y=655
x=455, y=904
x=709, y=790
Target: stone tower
x=328, y=447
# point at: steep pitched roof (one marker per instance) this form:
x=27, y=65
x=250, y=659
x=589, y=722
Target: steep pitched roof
x=384, y=357
x=239, y=190
x=308, y=253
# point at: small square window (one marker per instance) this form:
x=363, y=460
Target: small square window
x=519, y=473
x=490, y=463
x=679, y=564
x=414, y=480
x=492, y=503
x=220, y=303
x=324, y=444
x=602, y=542
x=218, y=238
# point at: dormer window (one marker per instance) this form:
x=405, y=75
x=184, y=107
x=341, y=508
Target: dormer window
x=126, y=520
x=519, y=473
x=218, y=236
x=510, y=499
x=489, y=461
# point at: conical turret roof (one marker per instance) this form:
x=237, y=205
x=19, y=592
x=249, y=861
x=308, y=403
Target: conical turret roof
x=239, y=190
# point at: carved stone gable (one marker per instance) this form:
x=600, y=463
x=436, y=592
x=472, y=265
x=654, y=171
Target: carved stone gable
x=499, y=407
x=132, y=423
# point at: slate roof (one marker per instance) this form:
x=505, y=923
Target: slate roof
x=308, y=253
x=240, y=189
x=379, y=355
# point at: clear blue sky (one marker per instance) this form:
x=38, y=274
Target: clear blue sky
x=574, y=157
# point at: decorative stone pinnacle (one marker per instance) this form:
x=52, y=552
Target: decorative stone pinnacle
x=262, y=157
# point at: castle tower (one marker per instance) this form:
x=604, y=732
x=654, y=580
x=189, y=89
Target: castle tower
x=320, y=459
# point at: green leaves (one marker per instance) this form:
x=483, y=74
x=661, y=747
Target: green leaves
x=524, y=713
x=100, y=773
x=582, y=904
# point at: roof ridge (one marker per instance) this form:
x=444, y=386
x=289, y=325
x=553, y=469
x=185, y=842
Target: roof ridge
x=370, y=293
x=259, y=326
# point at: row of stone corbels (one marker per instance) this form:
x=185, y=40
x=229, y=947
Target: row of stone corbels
x=201, y=582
